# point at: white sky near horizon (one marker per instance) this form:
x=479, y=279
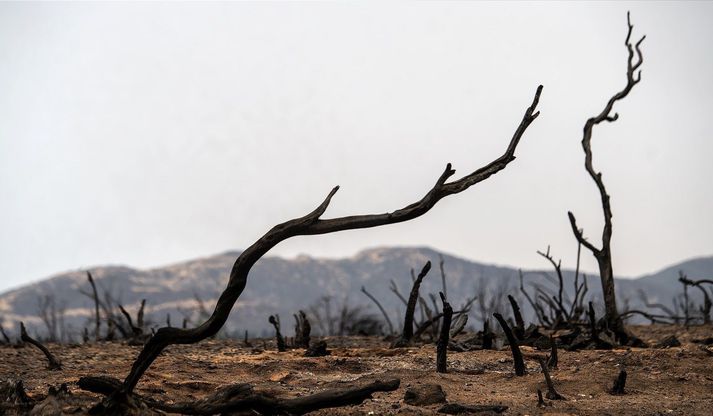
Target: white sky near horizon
x=151, y=133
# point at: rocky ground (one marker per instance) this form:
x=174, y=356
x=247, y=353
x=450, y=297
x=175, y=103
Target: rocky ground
x=661, y=381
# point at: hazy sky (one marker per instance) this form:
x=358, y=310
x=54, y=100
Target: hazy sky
x=150, y=133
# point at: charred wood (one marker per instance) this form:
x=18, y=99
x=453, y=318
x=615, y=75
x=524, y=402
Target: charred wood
x=519, y=363
x=54, y=363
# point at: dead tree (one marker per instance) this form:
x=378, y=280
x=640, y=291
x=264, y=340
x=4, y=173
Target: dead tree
x=52, y=314
x=275, y=321
x=559, y=302
x=313, y=224
x=603, y=254
x=519, y=323
x=302, y=330
x=407, y=332
x=705, y=309
x=381, y=308
x=96, y=307
x=519, y=363
x=442, y=345
x=443, y=276
x=54, y=363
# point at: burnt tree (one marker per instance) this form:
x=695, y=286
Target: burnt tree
x=442, y=345
x=407, y=332
x=312, y=224
x=603, y=253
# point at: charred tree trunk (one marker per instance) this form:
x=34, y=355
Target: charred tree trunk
x=519, y=323
x=603, y=254
x=312, y=224
x=519, y=363
x=407, y=333
x=442, y=346
x=275, y=321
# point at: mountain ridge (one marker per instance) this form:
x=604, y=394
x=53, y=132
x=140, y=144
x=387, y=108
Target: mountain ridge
x=280, y=285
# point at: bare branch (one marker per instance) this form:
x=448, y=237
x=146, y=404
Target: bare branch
x=311, y=224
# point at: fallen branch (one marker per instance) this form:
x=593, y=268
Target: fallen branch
x=241, y=398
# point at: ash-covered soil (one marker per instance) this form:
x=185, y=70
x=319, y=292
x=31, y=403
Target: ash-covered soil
x=671, y=381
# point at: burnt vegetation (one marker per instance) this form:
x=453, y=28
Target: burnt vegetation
x=532, y=316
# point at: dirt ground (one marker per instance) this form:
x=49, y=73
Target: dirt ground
x=673, y=381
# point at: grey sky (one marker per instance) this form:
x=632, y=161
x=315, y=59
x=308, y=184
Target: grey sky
x=149, y=133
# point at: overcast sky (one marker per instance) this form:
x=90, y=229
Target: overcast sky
x=148, y=133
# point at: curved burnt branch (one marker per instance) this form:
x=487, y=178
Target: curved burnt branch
x=312, y=224
x=54, y=363
x=519, y=363
x=603, y=254
x=381, y=308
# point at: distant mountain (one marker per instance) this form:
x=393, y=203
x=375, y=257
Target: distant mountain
x=284, y=286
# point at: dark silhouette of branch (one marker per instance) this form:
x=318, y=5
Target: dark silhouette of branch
x=603, y=254
x=706, y=307
x=443, y=276
x=381, y=308
x=95, y=295
x=560, y=281
x=54, y=363
x=519, y=323
x=313, y=224
x=395, y=289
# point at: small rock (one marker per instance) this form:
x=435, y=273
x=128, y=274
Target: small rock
x=425, y=395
